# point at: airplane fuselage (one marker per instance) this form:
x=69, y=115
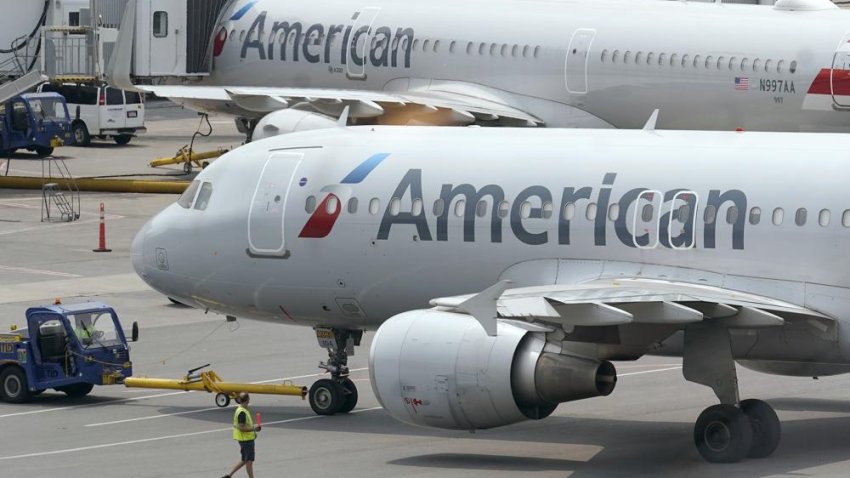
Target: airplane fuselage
x=570, y=63
x=349, y=227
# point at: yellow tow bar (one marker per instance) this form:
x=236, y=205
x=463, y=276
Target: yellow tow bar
x=210, y=382
x=187, y=157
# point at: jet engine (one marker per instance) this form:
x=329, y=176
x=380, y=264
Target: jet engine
x=289, y=121
x=440, y=369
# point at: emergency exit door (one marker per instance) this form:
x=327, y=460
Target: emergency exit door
x=266, y=218
x=575, y=70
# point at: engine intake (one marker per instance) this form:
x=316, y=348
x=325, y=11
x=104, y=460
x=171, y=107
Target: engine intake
x=440, y=369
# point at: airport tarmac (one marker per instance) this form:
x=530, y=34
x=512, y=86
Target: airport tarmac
x=643, y=429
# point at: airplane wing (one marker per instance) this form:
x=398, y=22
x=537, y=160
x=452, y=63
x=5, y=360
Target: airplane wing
x=639, y=301
x=435, y=104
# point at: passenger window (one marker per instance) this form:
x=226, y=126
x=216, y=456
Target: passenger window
x=647, y=212
x=721, y=62
x=685, y=60
x=331, y=204
x=536, y=51
x=745, y=63
x=460, y=206
x=823, y=217
x=525, y=51
x=204, y=197
x=604, y=56
x=674, y=59
x=684, y=213
x=755, y=216
x=627, y=57
x=768, y=64
x=504, y=209
x=515, y=50
x=780, y=66
x=569, y=211
x=416, y=208
x=439, y=207
x=395, y=206
x=650, y=58
x=709, y=61
x=778, y=216
x=525, y=210
x=481, y=48
x=352, y=206
x=662, y=59
x=114, y=97
x=732, y=62
x=437, y=46
x=160, y=24
x=710, y=214
x=697, y=61
x=731, y=215
x=590, y=213
x=613, y=212
x=547, y=210
x=756, y=64
x=504, y=50
x=469, y=48
x=374, y=206
x=310, y=206
x=425, y=45
x=481, y=208
x=638, y=57
x=616, y=56
x=845, y=218
x=793, y=67
x=800, y=217
x=188, y=197
x=493, y=47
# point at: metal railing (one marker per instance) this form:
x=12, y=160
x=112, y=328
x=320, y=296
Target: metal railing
x=53, y=197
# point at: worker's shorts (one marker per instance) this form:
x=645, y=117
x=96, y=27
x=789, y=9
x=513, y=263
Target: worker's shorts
x=247, y=450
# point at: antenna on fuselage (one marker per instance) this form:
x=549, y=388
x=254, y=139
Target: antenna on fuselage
x=650, y=123
x=342, y=122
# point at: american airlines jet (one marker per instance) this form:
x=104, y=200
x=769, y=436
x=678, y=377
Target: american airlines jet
x=570, y=63
x=503, y=268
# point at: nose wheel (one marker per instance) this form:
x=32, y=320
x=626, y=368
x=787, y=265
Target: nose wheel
x=337, y=394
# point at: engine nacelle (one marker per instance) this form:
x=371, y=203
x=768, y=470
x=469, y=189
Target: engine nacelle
x=289, y=121
x=440, y=369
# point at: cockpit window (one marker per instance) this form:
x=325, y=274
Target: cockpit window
x=188, y=195
x=204, y=197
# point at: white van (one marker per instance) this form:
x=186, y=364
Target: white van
x=101, y=112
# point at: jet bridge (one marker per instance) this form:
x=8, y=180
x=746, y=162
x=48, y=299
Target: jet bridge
x=165, y=38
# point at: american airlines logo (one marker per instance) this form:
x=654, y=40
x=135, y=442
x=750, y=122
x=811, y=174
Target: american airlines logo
x=317, y=43
x=671, y=222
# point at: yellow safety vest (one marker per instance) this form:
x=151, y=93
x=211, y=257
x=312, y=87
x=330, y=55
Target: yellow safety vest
x=239, y=435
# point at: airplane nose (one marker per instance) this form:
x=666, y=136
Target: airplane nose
x=137, y=251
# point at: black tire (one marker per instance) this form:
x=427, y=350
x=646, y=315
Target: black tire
x=350, y=394
x=723, y=434
x=43, y=151
x=78, y=390
x=766, y=427
x=13, y=386
x=222, y=400
x=123, y=139
x=326, y=397
x=80, y=134
x=187, y=168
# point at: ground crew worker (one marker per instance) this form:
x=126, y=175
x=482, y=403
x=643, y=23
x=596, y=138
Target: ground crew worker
x=84, y=329
x=245, y=433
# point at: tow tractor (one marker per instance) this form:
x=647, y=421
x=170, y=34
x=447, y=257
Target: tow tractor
x=69, y=348
x=36, y=122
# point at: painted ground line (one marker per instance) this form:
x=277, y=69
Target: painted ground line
x=37, y=271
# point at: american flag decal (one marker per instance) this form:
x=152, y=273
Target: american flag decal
x=742, y=83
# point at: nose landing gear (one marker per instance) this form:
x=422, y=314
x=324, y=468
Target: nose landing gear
x=337, y=394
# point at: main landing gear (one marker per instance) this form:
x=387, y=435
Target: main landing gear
x=735, y=429
x=337, y=394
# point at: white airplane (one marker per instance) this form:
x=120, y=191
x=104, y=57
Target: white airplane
x=588, y=245
x=580, y=63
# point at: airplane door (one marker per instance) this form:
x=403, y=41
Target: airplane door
x=681, y=225
x=575, y=70
x=646, y=219
x=360, y=43
x=266, y=234
x=839, y=75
